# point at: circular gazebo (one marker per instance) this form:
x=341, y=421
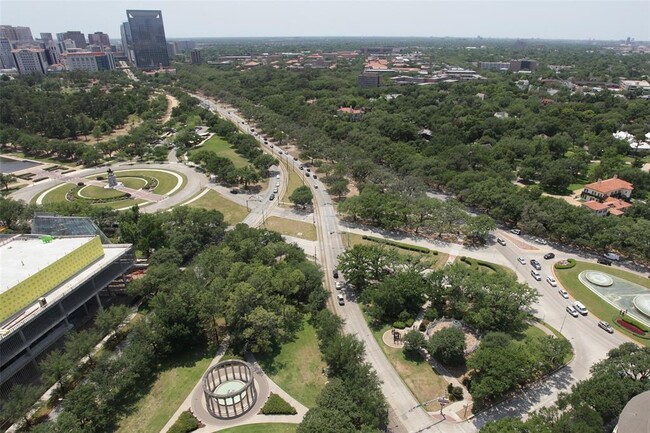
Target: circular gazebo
x=229, y=389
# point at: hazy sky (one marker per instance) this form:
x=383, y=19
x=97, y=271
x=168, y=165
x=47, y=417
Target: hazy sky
x=550, y=19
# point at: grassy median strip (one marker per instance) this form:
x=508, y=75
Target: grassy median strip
x=297, y=366
x=298, y=229
x=233, y=213
x=223, y=149
x=294, y=182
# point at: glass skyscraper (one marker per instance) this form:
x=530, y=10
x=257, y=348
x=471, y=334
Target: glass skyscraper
x=148, y=38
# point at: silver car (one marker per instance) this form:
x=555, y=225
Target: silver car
x=572, y=311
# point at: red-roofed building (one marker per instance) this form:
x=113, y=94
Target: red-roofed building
x=602, y=189
x=600, y=209
x=353, y=113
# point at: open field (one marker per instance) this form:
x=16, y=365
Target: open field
x=297, y=367
x=596, y=306
x=223, y=149
x=233, y=213
x=153, y=410
x=263, y=428
x=289, y=227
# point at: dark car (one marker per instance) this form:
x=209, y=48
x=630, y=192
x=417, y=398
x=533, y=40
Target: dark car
x=272, y=197
x=604, y=261
x=314, y=176
x=536, y=264
x=549, y=256
x=335, y=273
x=234, y=191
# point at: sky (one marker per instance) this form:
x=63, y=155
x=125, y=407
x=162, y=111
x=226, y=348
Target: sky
x=546, y=19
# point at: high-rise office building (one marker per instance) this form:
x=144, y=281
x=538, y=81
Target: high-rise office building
x=47, y=37
x=88, y=61
x=16, y=34
x=148, y=38
x=195, y=56
x=99, y=38
x=127, y=41
x=30, y=60
x=76, y=36
x=6, y=58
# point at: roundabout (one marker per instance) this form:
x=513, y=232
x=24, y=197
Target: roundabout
x=129, y=187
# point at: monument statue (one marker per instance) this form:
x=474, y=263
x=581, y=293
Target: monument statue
x=112, y=180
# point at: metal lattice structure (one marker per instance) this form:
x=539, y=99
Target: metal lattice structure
x=229, y=389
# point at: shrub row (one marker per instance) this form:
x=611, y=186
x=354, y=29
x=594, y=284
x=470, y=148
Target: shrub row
x=474, y=263
x=633, y=326
x=185, y=423
x=409, y=247
x=276, y=405
x=565, y=264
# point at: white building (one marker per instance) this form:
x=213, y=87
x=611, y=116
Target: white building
x=632, y=85
x=30, y=60
x=88, y=61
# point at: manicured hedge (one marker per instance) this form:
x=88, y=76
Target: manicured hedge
x=475, y=263
x=276, y=405
x=565, y=264
x=409, y=247
x=185, y=423
x=399, y=324
x=633, y=326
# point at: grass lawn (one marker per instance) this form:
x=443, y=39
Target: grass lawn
x=133, y=182
x=596, y=306
x=92, y=191
x=438, y=261
x=294, y=182
x=233, y=213
x=55, y=195
x=223, y=149
x=418, y=375
x=166, y=181
x=33, y=158
x=263, y=428
x=289, y=227
x=297, y=367
x=120, y=204
x=153, y=410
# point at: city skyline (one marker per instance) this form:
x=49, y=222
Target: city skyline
x=528, y=19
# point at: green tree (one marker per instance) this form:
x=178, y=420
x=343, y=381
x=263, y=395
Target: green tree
x=448, y=346
x=478, y=228
x=55, y=367
x=414, y=341
x=18, y=402
x=301, y=196
x=6, y=179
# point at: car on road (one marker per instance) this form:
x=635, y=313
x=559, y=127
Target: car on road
x=515, y=231
x=307, y=174
x=341, y=299
x=314, y=176
x=272, y=197
x=521, y=260
x=564, y=294
x=535, y=264
x=536, y=275
x=315, y=186
x=308, y=169
x=549, y=256
x=277, y=184
x=551, y=281
x=540, y=241
x=606, y=326
x=339, y=285
x=234, y=191
x=295, y=158
x=302, y=167
x=335, y=273
x=277, y=176
x=611, y=256
x=580, y=308
x=572, y=311
x=275, y=190
x=501, y=241
x=604, y=261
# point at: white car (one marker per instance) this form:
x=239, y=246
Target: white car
x=551, y=281
x=563, y=293
x=572, y=311
x=541, y=241
x=277, y=184
x=277, y=176
x=536, y=275
x=521, y=260
x=341, y=299
x=339, y=285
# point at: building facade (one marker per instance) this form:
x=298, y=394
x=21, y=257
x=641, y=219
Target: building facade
x=602, y=189
x=368, y=80
x=30, y=60
x=195, y=57
x=99, y=38
x=148, y=38
x=89, y=61
x=127, y=41
x=76, y=36
x=6, y=58
x=16, y=34
x=50, y=286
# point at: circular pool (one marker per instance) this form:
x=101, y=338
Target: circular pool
x=598, y=278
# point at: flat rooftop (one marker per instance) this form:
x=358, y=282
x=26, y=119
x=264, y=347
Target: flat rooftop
x=23, y=256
